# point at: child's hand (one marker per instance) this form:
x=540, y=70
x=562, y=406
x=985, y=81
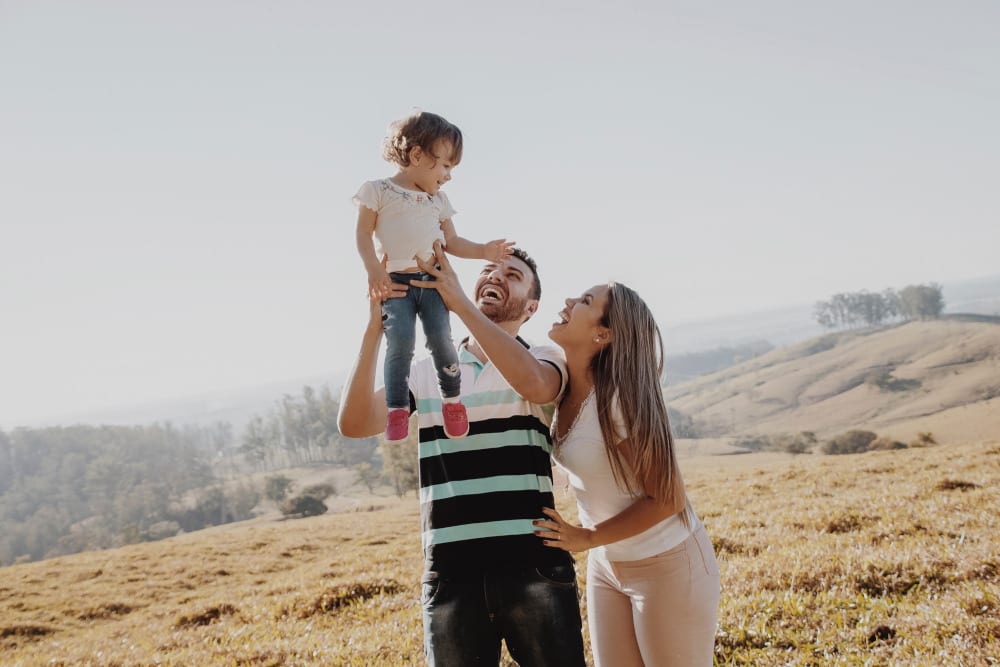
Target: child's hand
x=379, y=285
x=498, y=250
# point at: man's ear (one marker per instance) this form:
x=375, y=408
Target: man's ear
x=530, y=309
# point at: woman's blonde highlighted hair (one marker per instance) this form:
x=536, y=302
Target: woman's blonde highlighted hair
x=628, y=370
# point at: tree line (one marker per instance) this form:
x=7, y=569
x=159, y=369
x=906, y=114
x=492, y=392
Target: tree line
x=78, y=488
x=302, y=430
x=870, y=309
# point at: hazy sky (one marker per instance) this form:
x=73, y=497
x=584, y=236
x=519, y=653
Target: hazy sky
x=175, y=177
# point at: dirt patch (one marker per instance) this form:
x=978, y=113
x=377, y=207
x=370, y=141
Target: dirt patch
x=108, y=610
x=955, y=485
x=205, y=617
x=339, y=597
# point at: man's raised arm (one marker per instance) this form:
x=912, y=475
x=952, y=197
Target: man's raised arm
x=534, y=380
x=362, y=409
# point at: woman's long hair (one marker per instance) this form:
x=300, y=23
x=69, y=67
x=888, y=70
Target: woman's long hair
x=628, y=370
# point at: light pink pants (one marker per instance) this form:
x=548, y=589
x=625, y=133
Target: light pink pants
x=655, y=612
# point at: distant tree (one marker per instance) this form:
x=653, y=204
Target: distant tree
x=366, y=474
x=256, y=443
x=401, y=463
x=924, y=439
x=681, y=424
x=825, y=316
x=853, y=309
x=243, y=497
x=276, y=487
x=921, y=302
x=320, y=491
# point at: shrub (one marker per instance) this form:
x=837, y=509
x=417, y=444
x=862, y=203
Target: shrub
x=304, y=506
x=852, y=442
x=755, y=443
x=882, y=443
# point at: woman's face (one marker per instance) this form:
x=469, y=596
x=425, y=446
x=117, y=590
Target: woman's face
x=579, y=323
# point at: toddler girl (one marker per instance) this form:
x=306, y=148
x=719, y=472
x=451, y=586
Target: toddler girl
x=406, y=213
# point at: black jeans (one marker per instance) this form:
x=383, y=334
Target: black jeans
x=536, y=611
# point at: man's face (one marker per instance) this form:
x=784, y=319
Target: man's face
x=502, y=291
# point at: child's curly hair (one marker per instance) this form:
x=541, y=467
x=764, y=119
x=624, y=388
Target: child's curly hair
x=423, y=129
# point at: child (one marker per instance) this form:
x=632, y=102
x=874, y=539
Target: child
x=406, y=214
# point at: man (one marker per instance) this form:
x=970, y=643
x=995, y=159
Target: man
x=487, y=576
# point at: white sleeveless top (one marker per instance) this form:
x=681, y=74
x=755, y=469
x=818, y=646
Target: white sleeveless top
x=582, y=455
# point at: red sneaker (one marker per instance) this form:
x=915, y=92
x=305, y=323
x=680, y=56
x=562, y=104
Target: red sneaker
x=456, y=420
x=397, y=425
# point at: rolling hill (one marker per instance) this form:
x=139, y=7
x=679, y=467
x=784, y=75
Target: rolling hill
x=941, y=376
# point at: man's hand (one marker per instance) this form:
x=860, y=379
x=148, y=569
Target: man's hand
x=395, y=290
x=445, y=279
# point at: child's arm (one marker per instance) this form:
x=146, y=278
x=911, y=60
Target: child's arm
x=494, y=251
x=379, y=283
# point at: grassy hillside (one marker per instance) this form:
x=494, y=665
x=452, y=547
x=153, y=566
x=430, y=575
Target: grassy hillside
x=881, y=558
x=942, y=376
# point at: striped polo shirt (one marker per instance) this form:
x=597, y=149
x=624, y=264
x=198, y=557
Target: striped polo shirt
x=479, y=494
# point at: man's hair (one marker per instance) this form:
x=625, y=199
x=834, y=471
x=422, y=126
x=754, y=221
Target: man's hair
x=536, y=284
x=423, y=129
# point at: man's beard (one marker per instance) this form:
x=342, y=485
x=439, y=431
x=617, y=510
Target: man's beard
x=511, y=310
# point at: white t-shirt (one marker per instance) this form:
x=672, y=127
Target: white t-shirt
x=583, y=456
x=409, y=221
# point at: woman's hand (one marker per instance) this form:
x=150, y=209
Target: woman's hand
x=562, y=535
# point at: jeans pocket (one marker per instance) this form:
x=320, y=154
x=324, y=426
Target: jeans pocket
x=560, y=575
x=430, y=590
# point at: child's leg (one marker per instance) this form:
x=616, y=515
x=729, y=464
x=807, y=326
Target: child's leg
x=399, y=323
x=434, y=316
x=437, y=329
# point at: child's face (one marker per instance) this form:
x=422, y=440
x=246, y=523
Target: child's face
x=432, y=170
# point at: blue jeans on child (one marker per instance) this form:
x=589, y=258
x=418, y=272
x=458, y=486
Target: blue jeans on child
x=399, y=317
x=536, y=611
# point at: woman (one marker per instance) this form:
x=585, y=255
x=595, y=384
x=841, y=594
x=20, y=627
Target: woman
x=652, y=578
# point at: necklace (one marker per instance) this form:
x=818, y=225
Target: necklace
x=555, y=421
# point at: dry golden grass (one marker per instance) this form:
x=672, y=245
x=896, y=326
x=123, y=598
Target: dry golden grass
x=886, y=558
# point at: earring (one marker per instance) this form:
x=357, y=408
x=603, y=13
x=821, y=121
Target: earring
x=597, y=340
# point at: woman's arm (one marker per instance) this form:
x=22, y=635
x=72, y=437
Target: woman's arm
x=640, y=516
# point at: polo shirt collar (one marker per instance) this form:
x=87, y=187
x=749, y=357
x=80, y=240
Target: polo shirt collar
x=466, y=357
